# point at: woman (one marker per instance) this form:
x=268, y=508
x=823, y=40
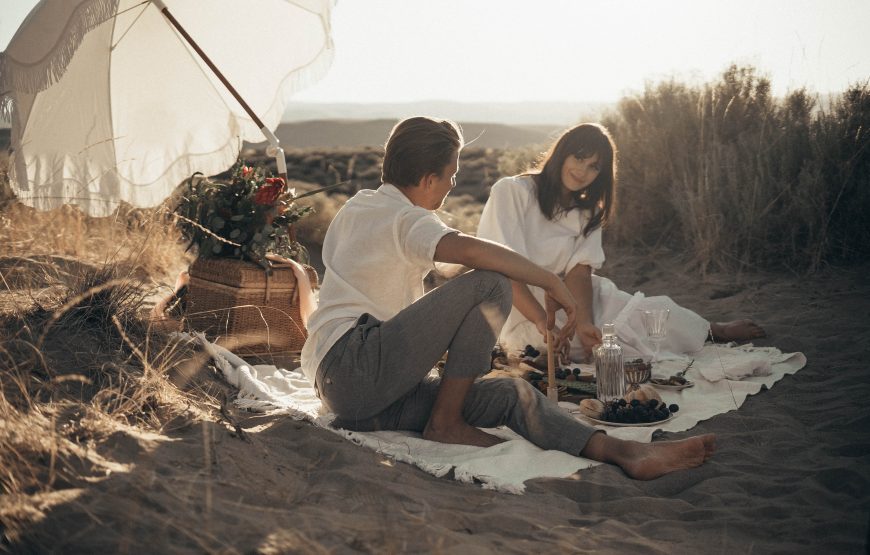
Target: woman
x=554, y=216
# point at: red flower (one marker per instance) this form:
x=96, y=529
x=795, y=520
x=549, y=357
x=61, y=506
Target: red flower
x=246, y=172
x=267, y=194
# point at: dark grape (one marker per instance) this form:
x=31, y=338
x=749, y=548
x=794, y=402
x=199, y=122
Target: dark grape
x=674, y=407
x=635, y=402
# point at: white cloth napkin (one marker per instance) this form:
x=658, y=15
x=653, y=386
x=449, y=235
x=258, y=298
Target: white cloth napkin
x=739, y=362
x=266, y=388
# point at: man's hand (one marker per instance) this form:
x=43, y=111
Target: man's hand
x=557, y=296
x=561, y=344
x=589, y=336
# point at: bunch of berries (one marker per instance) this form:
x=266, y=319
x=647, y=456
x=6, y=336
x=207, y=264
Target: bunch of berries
x=531, y=352
x=635, y=411
x=567, y=374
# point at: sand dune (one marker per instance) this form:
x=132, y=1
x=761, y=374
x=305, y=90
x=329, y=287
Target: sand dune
x=791, y=474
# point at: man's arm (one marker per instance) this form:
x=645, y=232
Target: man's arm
x=481, y=254
x=528, y=305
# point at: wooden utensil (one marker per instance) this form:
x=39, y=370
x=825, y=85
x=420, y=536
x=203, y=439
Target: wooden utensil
x=552, y=390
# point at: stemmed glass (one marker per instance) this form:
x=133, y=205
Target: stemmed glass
x=655, y=322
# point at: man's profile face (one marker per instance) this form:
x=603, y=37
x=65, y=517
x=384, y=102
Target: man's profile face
x=444, y=182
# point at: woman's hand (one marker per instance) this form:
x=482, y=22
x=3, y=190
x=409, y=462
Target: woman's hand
x=589, y=336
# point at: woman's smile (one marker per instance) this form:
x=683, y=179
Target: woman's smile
x=579, y=173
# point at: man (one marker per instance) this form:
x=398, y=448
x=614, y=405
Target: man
x=375, y=336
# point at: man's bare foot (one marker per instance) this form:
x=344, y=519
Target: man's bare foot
x=446, y=423
x=460, y=433
x=736, y=330
x=647, y=461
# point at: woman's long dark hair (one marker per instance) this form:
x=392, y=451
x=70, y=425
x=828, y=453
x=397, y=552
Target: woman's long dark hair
x=582, y=141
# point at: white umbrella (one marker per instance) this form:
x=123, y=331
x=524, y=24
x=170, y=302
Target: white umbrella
x=110, y=101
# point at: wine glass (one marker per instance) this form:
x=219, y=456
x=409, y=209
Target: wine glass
x=655, y=322
x=636, y=372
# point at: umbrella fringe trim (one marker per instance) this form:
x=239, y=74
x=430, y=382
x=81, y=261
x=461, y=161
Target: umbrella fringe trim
x=38, y=76
x=5, y=103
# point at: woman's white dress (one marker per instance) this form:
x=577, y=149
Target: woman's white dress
x=513, y=218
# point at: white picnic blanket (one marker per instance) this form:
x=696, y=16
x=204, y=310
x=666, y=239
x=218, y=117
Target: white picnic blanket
x=507, y=466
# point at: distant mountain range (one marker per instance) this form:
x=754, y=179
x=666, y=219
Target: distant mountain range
x=373, y=133
x=489, y=125
x=557, y=114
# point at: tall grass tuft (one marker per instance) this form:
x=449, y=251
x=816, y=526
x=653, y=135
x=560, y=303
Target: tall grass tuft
x=79, y=360
x=737, y=178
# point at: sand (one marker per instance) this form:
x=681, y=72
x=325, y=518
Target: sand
x=791, y=474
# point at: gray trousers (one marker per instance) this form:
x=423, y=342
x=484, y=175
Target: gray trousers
x=377, y=375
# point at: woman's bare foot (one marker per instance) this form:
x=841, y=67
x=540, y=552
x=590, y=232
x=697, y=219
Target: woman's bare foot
x=647, y=461
x=159, y=310
x=460, y=433
x=736, y=330
x=182, y=280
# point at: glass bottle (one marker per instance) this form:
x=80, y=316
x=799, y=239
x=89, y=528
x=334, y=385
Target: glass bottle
x=609, y=372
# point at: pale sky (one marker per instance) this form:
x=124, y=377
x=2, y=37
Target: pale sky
x=580, y=50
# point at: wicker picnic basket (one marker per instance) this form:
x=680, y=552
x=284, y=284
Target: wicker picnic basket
x=241, y=307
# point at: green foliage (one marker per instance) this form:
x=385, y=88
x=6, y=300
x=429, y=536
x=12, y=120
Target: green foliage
x=520, y=160
x=738, y=178
x=245, y=217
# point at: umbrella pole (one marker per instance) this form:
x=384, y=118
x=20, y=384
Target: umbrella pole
x=274, y=144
